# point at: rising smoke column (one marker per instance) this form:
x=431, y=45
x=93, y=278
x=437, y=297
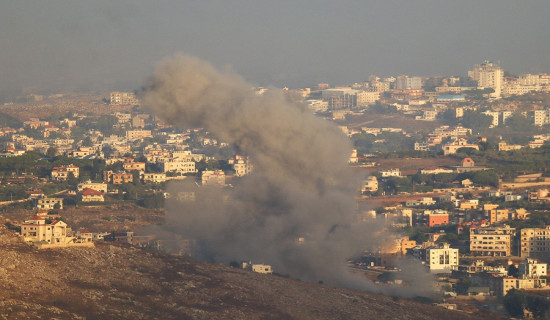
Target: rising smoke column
x=301, y=185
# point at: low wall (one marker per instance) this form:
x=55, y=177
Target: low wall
x=64, y=245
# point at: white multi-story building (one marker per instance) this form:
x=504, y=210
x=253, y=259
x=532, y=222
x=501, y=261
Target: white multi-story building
x=406, y=82
x=390, y=173
x=241, y=165
x=370, y=184
x=488, y=75
x=531, y=268
x=39, y=229
x=442, y=258
x=178, y=165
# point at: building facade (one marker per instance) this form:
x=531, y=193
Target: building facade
x=492, y=241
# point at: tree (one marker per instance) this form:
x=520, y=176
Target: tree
x=51, y=152
x=71, y=180
x=519, y=122
x=87, y=142
x=154, y=202
x=514, y=303
x=476, y=120
x=448, y=117
x=513, y=271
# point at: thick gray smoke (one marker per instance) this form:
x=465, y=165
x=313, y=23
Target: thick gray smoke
x=301, y=185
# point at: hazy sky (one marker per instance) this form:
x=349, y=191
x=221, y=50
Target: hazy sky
x=99, y=44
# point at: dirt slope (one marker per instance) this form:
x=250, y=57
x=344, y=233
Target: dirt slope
x=115, y=282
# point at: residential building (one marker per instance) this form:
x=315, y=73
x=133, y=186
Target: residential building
x=441, y=258
x=91, y=195
x=498, y=215
x=367, y=97
x=138, y=134
x=488, y=75
x=41, y=229
x=505, y=284
x=98, y=186
x=492, y=241
x=131, y=165
x=503, y=146
x=369, y=185
x=62, y=173
x=49, y=203
x=390, y=173
x=422, y=146
x=153, y=177
x=259, y=268
x=262, y=268
x=406, y=82
x=467, y=204
x=531, y=268
x=452, y=147
x=438, y=218
x=426, y=201
x=123, y=98
x=541, y=117
x=117, y=178
x=81, y=152
x=535, y=242
x=177, y=165
x=241, y=166
x=216, y=177
x=340, y=98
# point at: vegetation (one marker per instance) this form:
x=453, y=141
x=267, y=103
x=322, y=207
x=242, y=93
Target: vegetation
x=516, y=301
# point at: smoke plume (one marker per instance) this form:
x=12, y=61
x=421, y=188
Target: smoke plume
x=301, y=186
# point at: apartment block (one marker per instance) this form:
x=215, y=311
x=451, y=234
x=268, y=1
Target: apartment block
x=535, y=242
x=123, y=98
x=442, y=258
x=488, y=75
x=492, y=241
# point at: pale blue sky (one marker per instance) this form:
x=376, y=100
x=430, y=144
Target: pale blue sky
x=58, y=44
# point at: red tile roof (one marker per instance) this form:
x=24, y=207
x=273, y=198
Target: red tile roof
x=90, y=192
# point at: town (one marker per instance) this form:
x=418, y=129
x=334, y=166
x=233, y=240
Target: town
x=456, y=168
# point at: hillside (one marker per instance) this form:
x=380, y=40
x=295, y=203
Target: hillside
x=116, y=282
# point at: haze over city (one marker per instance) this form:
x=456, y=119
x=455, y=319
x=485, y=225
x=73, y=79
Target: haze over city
x=94, y=45
x=274, y=160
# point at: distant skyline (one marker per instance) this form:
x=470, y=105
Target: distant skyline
x=114, y=45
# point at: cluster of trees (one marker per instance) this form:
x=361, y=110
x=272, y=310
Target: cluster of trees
x=102, y=123
x=474, y=120
x=381, y=108
x=516, y=301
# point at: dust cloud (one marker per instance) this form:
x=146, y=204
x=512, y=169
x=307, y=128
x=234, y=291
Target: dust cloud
x=296, y=210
